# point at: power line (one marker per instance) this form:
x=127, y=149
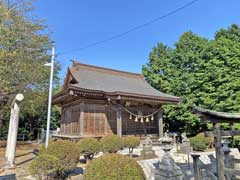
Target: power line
x=132, y=29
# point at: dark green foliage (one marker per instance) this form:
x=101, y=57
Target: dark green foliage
x=88, y=147
x=131, y=142
x=204, y=73
x=112, y=143
x=114, y=167
x=235, y=142
x=66, y=151
x=43, y=165
x=200, y=142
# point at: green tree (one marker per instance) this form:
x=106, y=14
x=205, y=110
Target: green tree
x=24, y=49
x=203, y=72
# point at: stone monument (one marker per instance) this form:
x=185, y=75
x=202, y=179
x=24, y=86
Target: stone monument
x=185, y=146
x=12, y=132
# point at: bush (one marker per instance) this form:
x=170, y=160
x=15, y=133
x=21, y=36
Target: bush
x=112, y=143
x=88, y=147
x=42, y=147
x=235, y=142
x=43, y=165
x=114, y=167
x=200, y=142
x=67, y=153
x=131, y=142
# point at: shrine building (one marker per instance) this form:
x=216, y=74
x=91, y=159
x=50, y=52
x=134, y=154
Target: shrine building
x=98, y=101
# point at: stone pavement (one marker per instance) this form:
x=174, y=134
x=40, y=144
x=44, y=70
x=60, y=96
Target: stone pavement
x=184, y=161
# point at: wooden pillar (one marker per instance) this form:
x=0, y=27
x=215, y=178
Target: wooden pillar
x=195, y=166
x=160, y=122
x=219, y=152
x=119, y=122
x=81, y=120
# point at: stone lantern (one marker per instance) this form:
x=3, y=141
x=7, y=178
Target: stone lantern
x=167, y=169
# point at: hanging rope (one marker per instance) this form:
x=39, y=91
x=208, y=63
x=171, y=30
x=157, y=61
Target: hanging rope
x=140, y=116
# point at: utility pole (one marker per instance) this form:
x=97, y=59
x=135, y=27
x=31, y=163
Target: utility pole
x=49, y=97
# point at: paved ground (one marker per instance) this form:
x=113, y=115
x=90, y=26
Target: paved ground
x=184, y=161
x=24, y=155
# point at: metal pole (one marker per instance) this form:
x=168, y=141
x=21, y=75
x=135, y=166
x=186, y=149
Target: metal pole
x=50, y=99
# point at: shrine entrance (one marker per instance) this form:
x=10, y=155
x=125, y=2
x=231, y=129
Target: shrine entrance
x=224, y=171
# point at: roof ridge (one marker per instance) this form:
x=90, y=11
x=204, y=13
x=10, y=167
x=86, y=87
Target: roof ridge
x=88, y=66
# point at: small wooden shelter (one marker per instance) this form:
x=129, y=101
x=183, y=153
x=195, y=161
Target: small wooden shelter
x=98, y=101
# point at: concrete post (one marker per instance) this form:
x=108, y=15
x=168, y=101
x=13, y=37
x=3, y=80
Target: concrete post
x=12, y=145
x=9, y=133
x=195, y=166
x=13, y=129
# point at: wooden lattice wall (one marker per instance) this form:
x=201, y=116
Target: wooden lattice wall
x=100, y=120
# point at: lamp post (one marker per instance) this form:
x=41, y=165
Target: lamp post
x=49, y=97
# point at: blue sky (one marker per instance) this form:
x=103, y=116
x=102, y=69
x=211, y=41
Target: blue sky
x=77, y=23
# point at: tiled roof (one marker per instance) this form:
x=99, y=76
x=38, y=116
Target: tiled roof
x=113, y=81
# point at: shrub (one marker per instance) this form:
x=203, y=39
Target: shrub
x=43, y=165
x=88, y=147
x=197, y=145
x=67, y=153
x=112, y=143
x=235, y=142
x=42, y=147
x=131, y=142
x=114, y=167
x=200, y=142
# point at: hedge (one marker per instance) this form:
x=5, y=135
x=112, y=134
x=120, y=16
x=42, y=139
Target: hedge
x=67, y=153
x=200, y=142
x=131, y=142
x=114, y=167
x=112, y=143
x=43, y=165
x=88, y=147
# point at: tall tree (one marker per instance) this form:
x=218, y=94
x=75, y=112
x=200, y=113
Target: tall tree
x=200, y=71
x=24, y=49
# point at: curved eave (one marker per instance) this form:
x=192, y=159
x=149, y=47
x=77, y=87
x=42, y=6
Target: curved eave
x=115, y=95
x=214, y=116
